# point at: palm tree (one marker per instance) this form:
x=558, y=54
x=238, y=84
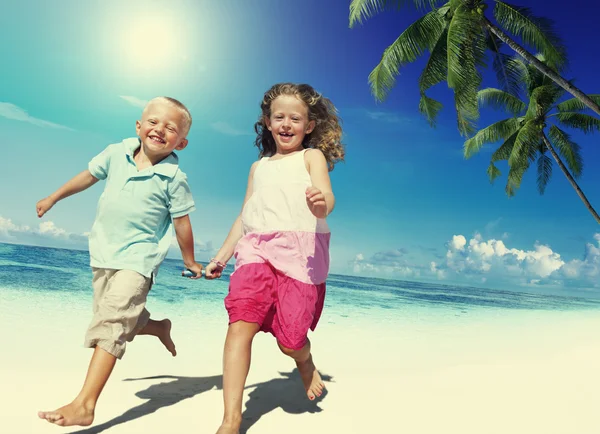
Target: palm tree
x=524, y=138
x=458, y=34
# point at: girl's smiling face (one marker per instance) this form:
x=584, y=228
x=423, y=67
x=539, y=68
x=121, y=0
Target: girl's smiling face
x=289, y=123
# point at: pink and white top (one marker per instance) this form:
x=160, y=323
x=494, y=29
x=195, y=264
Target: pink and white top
x=279, y=228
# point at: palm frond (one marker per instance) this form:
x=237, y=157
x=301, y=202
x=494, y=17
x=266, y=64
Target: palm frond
x=508, y=77
x=569, y=150
x=502, y=100
x=580, y=121
x=467, y=113
x=513, y=181
x=420, y=36
x=361, y=10
x=466, y=52
x=502, y=153
x=436, y=68
x=544, y=172
x=542, y=99
x=575, y=105
x=493, y=172
x=534, y=31
x=527, y=137
x=495, y=132
x=505, y=150
x=518, y=168
x=429, y=108
x=462, y=58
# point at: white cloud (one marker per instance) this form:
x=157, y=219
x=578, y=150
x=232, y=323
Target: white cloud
x=225, y=128
x=47, y=233
x=491, y=261
x=479, y=256
x=10, y=231
x=199, y=246
x=386, y=117
x=11, y=111
x=390, y=262
x=49, y=228
x=587, y=268
x=537, y=266
x=134, y=101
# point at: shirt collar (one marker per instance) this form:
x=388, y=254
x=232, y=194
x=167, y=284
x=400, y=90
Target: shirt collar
x=167, y=167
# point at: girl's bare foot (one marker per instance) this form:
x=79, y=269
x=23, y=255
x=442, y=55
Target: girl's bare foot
x=313, y=384
x=72, y=414
x=227, y=429
x=165, y=336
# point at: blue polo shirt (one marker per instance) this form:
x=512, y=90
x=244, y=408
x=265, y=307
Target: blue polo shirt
x=133, y=222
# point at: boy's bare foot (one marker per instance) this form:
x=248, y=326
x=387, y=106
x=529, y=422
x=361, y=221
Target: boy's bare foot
x=228, y=429
x=165, y=336
x=72, y=414
x=313, y=384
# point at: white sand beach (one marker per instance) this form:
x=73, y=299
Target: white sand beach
x=515, y=372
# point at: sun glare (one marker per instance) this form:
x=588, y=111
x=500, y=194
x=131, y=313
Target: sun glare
x=155, y=43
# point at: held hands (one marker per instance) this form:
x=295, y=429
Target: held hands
x=315, y=200
x=196, y=270
x=44, y=205
x=213, y=270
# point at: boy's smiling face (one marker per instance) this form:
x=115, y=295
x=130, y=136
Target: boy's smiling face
x=162, y=129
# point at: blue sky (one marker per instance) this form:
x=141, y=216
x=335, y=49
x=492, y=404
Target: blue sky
x=409, y=206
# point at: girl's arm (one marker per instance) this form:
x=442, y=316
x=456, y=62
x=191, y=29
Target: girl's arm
x=75, y=185
x=319, y=197
x=235, y=233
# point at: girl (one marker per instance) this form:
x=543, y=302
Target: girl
x=281, y=239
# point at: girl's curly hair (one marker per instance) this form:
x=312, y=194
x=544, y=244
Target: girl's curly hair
x=326, y=135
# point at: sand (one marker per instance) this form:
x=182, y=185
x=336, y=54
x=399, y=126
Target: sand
x=501, y=372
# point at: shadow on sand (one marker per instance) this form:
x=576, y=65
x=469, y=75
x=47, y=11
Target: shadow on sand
x=286, y=392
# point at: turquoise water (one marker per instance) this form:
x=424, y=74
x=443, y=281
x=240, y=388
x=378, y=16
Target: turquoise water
x=66, y=273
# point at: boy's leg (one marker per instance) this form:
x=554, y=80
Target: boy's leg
x=119, y=297
x=147, y=326
x=308, y=372
x=81, y=410
x=162, y=330
x=236, y=364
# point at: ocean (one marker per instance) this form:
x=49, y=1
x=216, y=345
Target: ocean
x=66, y=275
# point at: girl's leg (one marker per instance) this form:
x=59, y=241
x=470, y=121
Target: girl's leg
x=236, y=364
x=308, y=372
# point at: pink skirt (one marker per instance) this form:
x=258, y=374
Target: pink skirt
x=281, y=305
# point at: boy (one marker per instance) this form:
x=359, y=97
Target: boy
x=145, y=191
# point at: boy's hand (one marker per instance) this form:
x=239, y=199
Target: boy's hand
x=213, y=271
x=316, y=202
x=196, y=269
x=44, y=205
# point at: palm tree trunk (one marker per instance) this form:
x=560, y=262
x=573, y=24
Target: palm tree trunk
x=570, y=178
x=577, y=93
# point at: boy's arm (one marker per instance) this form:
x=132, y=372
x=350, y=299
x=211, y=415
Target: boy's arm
x=185, y=238
x=75, y=185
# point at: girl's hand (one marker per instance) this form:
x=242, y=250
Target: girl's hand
x=212, y=271
x=316, y=202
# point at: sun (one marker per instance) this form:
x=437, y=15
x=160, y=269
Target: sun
x=153, y=43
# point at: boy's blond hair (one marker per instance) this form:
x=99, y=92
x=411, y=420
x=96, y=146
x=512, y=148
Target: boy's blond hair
x=179, y=105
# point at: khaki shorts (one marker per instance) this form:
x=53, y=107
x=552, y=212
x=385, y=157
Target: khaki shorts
x=119, y=309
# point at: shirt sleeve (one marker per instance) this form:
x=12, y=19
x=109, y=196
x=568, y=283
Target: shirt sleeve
x=100, y=164
x=181, y=202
